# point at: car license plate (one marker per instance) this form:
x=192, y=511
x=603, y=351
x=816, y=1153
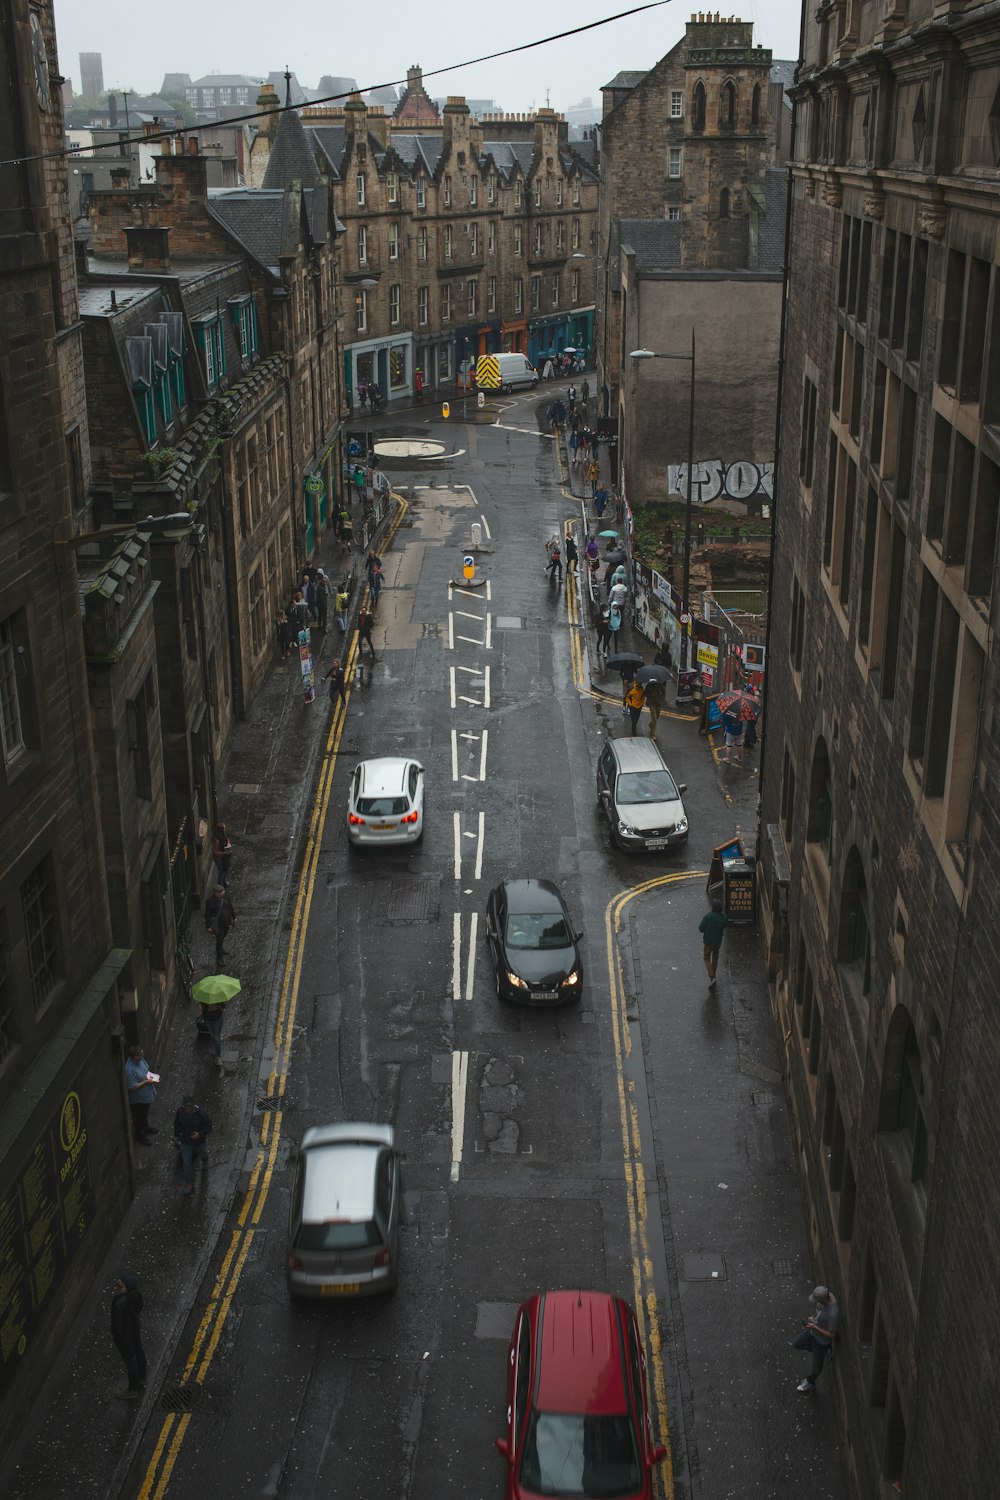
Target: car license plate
x=657, y=843
x=382, y=827
x=340, y=1289
x=545, y=994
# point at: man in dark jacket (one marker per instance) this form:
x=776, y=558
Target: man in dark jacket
x=191, y=1127
x=126, y=1306
x=219, y=917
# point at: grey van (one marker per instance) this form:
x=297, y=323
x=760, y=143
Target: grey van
x=343, y=1226
x=640, y=797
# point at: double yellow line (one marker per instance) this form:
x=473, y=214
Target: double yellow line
x=645, y=1296
x=213, y=1319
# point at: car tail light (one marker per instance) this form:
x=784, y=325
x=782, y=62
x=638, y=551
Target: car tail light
x=294, y=1264
x=410, y=817
x=355, y=821
x=383, y=1258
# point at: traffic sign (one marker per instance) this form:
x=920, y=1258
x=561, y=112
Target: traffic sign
x=469, y=566
x=685, y=619
x=445, y=409
x=480, y=400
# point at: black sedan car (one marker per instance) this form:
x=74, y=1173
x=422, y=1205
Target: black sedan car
x=533, y=944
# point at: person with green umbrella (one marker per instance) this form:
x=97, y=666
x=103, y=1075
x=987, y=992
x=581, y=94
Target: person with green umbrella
x=211, y=993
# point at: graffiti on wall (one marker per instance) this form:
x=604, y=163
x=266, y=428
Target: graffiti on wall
x=751, y=483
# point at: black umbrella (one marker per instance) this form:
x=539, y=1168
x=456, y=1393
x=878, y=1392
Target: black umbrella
x=615, y=557
x=654, y=673
x=625, y=661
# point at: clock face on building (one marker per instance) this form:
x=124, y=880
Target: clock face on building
x=41, y=62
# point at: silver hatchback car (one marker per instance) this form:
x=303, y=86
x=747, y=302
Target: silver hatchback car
x=643, y=803
x=386, y=802
x=343, y=1226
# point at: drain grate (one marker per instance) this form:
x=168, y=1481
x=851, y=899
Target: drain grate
x=273, y=1103
x=762, y=1097
x=412, y=901
x=180, y=1398
x=784, y=1267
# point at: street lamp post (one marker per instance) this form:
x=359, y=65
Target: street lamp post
x=686, y=585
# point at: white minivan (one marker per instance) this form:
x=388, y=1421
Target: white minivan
x=515, y=373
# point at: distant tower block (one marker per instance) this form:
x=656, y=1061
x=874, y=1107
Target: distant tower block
x=91, y=77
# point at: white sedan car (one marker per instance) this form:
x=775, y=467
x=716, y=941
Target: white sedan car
x=386, y=804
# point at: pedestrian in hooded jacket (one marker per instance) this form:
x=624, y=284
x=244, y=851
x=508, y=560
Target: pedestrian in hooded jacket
x=126, y=1308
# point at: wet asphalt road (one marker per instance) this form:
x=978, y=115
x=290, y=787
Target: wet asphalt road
x=510, y=1121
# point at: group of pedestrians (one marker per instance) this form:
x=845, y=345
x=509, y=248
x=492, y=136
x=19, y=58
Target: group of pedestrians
x=369, y=394
x=308, y=605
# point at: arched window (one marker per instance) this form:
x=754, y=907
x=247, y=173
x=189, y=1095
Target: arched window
x=727, y=105
x=854, y=938
x=755, y=106
x=724, y=204
x=698, y=120
x=820, y=824
x=902, y=1134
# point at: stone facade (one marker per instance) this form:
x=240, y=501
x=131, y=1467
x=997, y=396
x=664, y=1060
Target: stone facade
x=64, y=1157
x=463, y=236
x=691, y=229
x=879, y=826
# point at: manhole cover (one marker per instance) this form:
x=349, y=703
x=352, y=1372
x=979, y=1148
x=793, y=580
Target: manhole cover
x=180, y=1398
x=704, y=1268
x=508, y=622
x=408, y=448
x=412, y=901
x=494, y=1320
x=247, y=788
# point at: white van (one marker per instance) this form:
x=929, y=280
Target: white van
x=505, y=372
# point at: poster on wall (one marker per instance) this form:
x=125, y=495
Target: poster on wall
x=44, y=1216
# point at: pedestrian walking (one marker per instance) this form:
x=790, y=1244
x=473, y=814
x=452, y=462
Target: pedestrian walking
x=604, y=634
x=572, y=555
x=192, y=1127
x=211, y=1016
x=363, y=396
x=298, y=613
x=309, y=593
x=585, y=391
x=571, y=397
x=594, y=475
x=141, y=1084
x=375, y=588
x=592, y=551
x=222, y=853
x=555, y=567
x=372, y=561
x=335, y=676
x=341, y=602
x=654, y=702
x=126, y=1331
x=711, y=927
x=819, y=1330
x=635, y=698
x=283, y=634
x=322, y=599
x=574, y=444
x=733, y=727
x=219, y=917
x=359, y=481
x=366, y=621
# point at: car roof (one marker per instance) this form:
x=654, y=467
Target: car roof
x=580, y=1347
x=340, y=1165
x=637, y=754
x=531, y=895
x=385, y=774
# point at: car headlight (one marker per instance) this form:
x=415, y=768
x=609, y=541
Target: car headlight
x=682, y=825
x=515, y=980
x=573, y=978
x=626, y=830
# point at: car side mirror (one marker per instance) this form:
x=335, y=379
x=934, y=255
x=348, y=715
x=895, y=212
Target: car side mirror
x=683, y=788
x=578, y=937
x=658, y=1454
x=605, y=794
x=503, y=1447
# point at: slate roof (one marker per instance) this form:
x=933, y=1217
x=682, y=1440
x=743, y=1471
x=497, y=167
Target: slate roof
x=419, y=150
x=656, y=243
x=291, y=159
x=771, y=234
x=626, y=79
x=330, y=140
x=227, y=80
x=509, y=154
x=254, y=218
x=783, y=72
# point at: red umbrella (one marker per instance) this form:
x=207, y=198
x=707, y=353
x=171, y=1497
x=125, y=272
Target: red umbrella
x=744, y=705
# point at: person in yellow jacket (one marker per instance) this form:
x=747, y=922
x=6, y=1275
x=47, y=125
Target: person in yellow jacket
x=634, y=700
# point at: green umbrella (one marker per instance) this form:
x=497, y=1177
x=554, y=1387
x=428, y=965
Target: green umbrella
x=608, y=533
x=215, y=989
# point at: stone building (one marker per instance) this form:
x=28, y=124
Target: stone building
x=463, y=237
x=880, y=823
x=691, y=235
x=64, y=1154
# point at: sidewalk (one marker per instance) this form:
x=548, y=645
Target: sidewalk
x=81, y=1439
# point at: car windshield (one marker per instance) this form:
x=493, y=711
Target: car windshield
x=383, y=807
x=578, y=1455
x=343, y=1234
x=544, y=929
x=645, y=786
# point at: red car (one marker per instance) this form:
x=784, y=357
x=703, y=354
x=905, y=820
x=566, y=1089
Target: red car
x=577, y=1416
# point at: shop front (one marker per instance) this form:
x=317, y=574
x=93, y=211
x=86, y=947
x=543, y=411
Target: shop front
x=547, y=337
x=581, y=331
x=386, y=363
x=514, y=337
x=434, y=361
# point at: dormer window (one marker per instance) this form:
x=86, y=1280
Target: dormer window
x=576, y=191
x=244, y=315
x=212, y=344
x=538, y=192
x=421, y=193
x=491, y=189
x=392, y=187
x=447, y=192
x=518, y=194
x=360, y=180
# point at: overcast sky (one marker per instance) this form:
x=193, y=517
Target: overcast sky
x=375, y=43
